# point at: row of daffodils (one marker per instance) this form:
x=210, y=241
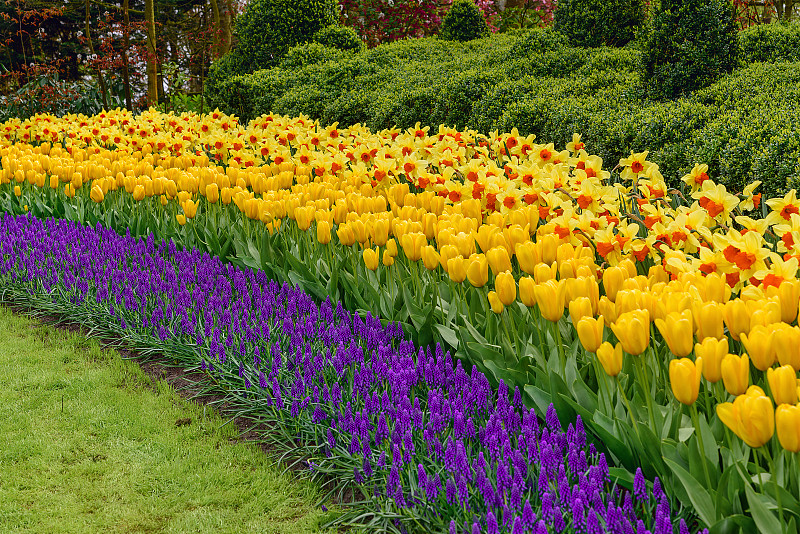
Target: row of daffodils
x=666, y=319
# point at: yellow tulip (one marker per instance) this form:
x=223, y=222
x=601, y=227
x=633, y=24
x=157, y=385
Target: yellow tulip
x=324, y=232
x=787, y=346
x=412, y=245
x=226, y=195
x=548, y=247
x=345, y=234
x=506, y=288
x=430, y=258
x=783, y=384
x=388, y=259
x=787, y=423
x=584, y=286
x=371, y=258
x=610, y=357
x=677, y=331
x=633, y=331
x=138, y=193
x=495, y=303
x=212, y=193
x=760, y=347
x=751, y=417
x=708, y=320
x=737, y=318
x=612, y=281
x=457, y=269
x=499, y=260
x=478, y=270
x=788, y=293
x=181, y=218
x=527, y=256
x=684, y=377
x=607, y=309
x=526, y=291
x=97, y=193
x=190, y=209
x=716, y=289
x=590, y=332
x=550, y=299
x=713, y=351
x=379, y=231
x=17, y=191
x=579, y=308
x=544, y=272
x=735, y=373
x=391, y=247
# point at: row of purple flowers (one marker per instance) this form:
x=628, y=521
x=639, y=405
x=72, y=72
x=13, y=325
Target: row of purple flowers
x=426, y=444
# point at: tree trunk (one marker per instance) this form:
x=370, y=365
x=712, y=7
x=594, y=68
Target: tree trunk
x=216, y=18
x=152, y=59
x=126, y=40
x=227, y=29
x=100, y=79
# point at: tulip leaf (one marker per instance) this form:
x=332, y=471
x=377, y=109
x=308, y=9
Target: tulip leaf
x=733, y=525
x=541, y=398
x=698, y=495
x=764, y=519
x=448, y=335
x=560, y=393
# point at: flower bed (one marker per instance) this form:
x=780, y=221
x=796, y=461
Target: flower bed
x=428, y=445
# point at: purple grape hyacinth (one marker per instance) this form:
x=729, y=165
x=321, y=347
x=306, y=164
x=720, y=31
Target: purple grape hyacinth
x=410, y=426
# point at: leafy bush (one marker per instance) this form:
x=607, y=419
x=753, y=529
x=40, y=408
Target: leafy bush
x=745, y=126
x=308, y=54
x=267, y=29
x=689, y=45
x=339, y=37
x=598, y=22
x=463, y=22
x=770, y=42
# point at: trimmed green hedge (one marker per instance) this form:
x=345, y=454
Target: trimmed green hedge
x=746, y=126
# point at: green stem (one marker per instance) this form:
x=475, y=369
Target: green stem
x=645, y=382
x=696, y=423
x=628, y=406
x=561, y=355
x=774, y=477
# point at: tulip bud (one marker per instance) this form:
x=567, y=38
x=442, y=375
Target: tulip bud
x=506, y=288
x=610, y=357
x=579, y=308
x=495, y=303
x=388, y=259
x=548, y=247
x=138, y=193
x=612, y=281
x=345, y=234
x=212, y=193
x=371, y=258
x=788, y=293
x=499, y=260
x=97, y=193
x=735, y=373
x=590, y=332
x=190, y=209
x=713, y=351
x=478, y=270
x=787, y=346
x=391, y=247
x=412, y=245
x=736, y=318
x=607, y=309
x=550, y=299
x=751, y=417
x=430, y=258
x=457, y=269
x=783, y=384
x=633, y=331
x=17, y=191
x=527, y=256
x=324, y=232
x=677, y=331
x=181, y=218
x=787, y=422
x=684, y=377
x=526, y=291
x=716, y=289
x=544, y=272
x=708, y=320
x=760, y=347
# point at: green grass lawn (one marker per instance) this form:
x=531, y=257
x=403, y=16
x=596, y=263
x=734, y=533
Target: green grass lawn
x=88, y=444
